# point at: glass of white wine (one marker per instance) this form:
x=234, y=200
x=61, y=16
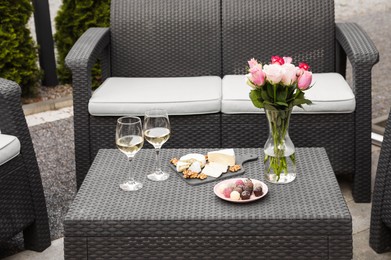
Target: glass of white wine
x=157, y=131
x=129, y=138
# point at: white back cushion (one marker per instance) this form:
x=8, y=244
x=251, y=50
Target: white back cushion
x=9, y=148
x=179, y=96
x=330, y=94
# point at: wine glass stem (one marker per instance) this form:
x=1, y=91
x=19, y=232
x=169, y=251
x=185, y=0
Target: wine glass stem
x=131, y=179
x=158, y=170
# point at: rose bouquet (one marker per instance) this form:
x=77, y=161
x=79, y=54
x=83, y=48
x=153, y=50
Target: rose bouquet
x=278, y=87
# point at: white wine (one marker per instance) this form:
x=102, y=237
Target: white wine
x=130, y=144
x=157, y=136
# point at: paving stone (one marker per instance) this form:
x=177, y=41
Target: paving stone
x=362, y=250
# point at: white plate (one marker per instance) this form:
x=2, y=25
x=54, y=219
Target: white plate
x=218, y=191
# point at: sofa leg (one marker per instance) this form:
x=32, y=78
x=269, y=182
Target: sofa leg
x=361, y=187
x=37, y=236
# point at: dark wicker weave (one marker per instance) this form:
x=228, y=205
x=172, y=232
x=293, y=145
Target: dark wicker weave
x=304, y=30
x=306, y=219
x=210, y=37
x=380, y=230
x=22, y=201
x=138, y=48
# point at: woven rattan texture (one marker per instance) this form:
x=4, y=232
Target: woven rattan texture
x=14, y=200
x=310, y=206
x=80, y=60
x=328, y=130
x=362, y=54
x=214, y=247
x=171, y=38
x=380, y=229
x=254, y=28
x=21, y=180
x=210, y=37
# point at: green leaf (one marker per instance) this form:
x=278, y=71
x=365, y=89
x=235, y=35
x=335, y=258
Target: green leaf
x=281, y=95
x=300, y=95
x=270, y=107
x=300, y=101
x=270, y=91
x=282, y=104
x=256, y=98
x=265, y=96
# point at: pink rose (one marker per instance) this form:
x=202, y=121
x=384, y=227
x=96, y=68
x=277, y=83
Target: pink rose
x=277, y=59
x=289, y=76
x=257, y=76
x=253, y=62
x=304, y=66
x=273, y=72
x=304, y=80
x=287, y=60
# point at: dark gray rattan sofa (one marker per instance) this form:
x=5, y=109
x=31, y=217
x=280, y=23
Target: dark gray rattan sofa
x=214, y=38
x=22, y=201
x=380, y=230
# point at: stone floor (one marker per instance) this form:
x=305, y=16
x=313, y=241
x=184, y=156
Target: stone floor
x=56, y=162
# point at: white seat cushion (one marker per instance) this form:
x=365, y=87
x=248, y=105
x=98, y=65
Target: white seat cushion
x=179, y=96
x=9, y=148
x=330, y=94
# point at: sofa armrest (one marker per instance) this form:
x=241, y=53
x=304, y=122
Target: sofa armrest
x=363, y=55
x=93, y=44
x=357, y=45
x=359, y=49
x=12, y=120
x=87, y=48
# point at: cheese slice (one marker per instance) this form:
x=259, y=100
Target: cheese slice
x=181, y=166
x=192, y=157
x=226, y=156
x=211, y=171
x=195, y=167
x=220, y=166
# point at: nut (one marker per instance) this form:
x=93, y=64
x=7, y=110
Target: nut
x=174, y=161
x=202, y=176
x=187, y=174
x=194, y=175
x=234, y=168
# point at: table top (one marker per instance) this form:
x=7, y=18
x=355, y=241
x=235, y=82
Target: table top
x=313, y=199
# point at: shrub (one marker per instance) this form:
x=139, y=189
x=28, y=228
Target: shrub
x=73, y=19
x=18, y=51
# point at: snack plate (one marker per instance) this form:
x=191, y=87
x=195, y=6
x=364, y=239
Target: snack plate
x=240, y=159
x=218, y=190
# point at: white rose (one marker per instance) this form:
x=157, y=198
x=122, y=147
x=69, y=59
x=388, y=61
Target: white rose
x=289, y=75
x=274, y=73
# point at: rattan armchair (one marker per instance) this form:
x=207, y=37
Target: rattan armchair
x=22, y=201
x=380, y=229
x=224, y=35
x=306, y=31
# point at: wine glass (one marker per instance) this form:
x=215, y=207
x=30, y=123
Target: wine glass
x=157, y=131
x=129, y=138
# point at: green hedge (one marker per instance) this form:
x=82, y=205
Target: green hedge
x=18, y=52
x=72, y=20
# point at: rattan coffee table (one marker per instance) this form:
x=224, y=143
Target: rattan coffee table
x=306, y=219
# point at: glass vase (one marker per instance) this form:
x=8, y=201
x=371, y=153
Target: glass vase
x=279, y=162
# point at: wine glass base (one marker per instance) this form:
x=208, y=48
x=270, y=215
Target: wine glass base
x=158, y=176
x=131, y=186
